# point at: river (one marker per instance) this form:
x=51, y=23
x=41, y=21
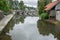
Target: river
x=30, y=28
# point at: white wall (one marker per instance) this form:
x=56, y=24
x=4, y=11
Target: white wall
x=58, y=15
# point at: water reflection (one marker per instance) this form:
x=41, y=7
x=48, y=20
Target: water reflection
x=19, y=18
x=30, y=28
x=15, y=20
x=46, y=28
x=5, y=32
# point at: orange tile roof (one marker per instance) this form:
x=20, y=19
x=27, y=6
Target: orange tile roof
x=51, y=5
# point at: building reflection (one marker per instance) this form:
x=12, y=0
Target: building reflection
x=45, y=28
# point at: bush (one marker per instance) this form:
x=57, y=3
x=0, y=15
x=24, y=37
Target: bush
x=44, y=16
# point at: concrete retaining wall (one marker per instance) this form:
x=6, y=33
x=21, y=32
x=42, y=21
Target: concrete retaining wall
x=5, y=21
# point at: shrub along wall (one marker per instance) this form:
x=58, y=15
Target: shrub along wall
x=44, y=16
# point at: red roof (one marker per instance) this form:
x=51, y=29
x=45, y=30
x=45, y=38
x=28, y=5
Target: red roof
x=51, y=5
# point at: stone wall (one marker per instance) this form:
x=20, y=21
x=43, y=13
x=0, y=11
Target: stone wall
x=52, y=13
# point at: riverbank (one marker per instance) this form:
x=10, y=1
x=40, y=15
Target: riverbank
x=53, y=22
x=5, y=21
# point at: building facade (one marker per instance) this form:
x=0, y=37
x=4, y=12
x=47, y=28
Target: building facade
x=57, y=8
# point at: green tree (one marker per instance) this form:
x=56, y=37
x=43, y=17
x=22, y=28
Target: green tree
x=47, y=2
x=11, y=4
x=22, y=6
x=15, y=5
x=4, y=5
x=42, y=4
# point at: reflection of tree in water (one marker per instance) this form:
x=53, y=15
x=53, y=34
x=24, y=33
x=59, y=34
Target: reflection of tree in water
x=46, y=28
x=16, y=19
x=57, y=32
x=9, y=26
x=19, y=18
x=5, y=37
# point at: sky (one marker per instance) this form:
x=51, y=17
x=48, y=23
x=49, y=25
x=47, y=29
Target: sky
x=54, y=0
x=32, y=3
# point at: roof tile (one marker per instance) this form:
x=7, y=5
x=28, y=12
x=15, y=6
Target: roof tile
x=51, y=5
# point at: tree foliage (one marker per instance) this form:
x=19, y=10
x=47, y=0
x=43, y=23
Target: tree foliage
x=42, y=4
x=11, y=4
x=4, y=5
x=44, y=16
x=15, y=5
x=22, y=6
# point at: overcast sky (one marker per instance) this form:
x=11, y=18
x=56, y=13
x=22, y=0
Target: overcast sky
x=32, y=3
x=54, y=0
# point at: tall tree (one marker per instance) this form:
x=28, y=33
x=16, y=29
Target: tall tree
x=11, y=3
x=22, y=6
x=42, y=4
x=15, y=5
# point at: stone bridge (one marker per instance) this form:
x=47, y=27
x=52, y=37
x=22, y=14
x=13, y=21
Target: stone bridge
x=27, y=13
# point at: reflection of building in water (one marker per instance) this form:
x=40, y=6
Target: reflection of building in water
x=46, y=28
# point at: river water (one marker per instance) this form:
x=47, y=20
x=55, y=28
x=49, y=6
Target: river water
x=30, y=28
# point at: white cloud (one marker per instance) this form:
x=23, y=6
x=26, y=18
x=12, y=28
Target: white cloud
x=30, y=2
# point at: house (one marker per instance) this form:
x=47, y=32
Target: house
x=53, y=10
